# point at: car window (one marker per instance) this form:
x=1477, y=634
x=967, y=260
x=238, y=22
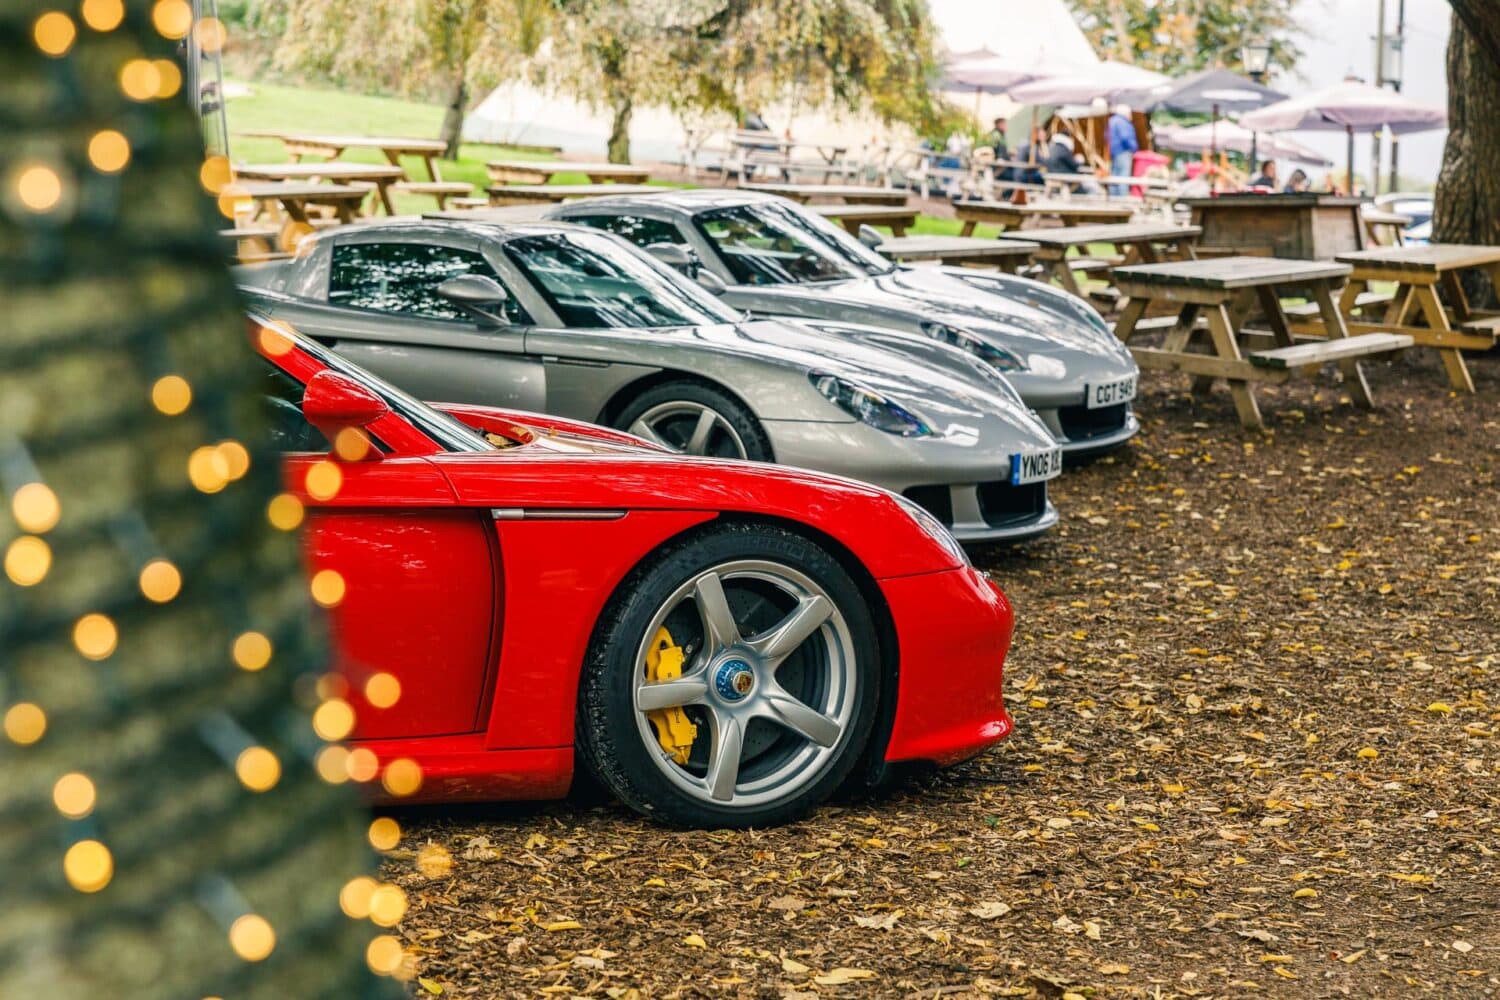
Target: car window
x=281, y=398
x=637, y=229
x=594, y=282
x=763, y=244
x=403, y=278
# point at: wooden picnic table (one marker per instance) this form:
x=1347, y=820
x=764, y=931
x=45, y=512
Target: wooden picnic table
x=1385, y=228
x=1426, y=276
x=750, y=149
x=293, y=197
x=849, y=194
x=1131, y=242
x=1226, y=289
x=525, y=194
x=851, y=217
x=392, y=147
x=1010, y=216
x=1295, y=226
x=1007, y=255
x=542, y=171
x=382, y=177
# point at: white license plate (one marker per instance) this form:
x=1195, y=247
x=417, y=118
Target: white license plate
x=1035, y=466
x=1109, y=393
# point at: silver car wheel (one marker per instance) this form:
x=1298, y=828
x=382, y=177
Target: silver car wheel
x=763, y=743
x=690, y=428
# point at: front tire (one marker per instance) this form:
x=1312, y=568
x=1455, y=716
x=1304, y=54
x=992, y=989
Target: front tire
x=696, y=419
x=774, y=669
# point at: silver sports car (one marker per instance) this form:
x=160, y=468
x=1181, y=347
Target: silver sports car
x=779, y=259
x=578, y=323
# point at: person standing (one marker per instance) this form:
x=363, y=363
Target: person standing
x=1123, y=145
x=996, y=139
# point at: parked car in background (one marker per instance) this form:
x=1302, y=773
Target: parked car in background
x=780, y=259
x=1415, y=205
x=719, y=643
x=573, y=322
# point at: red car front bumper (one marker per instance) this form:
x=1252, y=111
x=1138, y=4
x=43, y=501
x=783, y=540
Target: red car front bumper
x=953, y=630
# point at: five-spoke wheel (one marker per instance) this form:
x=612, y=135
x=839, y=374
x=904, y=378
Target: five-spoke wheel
x=696, y=419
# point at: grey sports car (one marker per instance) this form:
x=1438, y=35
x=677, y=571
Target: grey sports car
x=574, y=322
x=779, y=259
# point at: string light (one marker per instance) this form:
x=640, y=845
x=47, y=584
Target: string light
x=73, y=794
x=171, y=394
x=332, y=764
x=327, y=587
x=35, y=508
x=387, y=905
x=54, y=33
x=207, y=469
x=384, y=955
x=172, y=18
x=385, y=833
x=215, y=174
x=88, y=866
x=284, y=512
x=109, y=151
x=160, y=581
x=363, y=764
x=251, y=651
x=140, y=79
x=103, y=15
x=354, y=897
x=95, y=636
x=258, y=769
x=27, y=560
x=403, y=776
x=210, y=34
x=273, y=343
x=252, y=937
x=323, y=480
x=383, y=690
x=333, y=719
x=25, y=723
x=169, y=78
x=351, y=444
x=236, y=458
x=39, y=188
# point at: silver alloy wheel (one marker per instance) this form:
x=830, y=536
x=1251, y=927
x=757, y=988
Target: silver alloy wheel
x=733, y=679
x=687, y=427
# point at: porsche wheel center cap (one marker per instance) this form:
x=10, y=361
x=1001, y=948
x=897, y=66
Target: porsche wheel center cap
x=733, y=680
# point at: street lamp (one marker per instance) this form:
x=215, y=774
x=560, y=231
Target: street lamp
x=1255, y=56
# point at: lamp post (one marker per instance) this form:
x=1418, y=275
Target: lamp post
x=1255, y=56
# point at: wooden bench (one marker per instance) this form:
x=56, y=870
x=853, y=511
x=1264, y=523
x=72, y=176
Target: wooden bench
x=1319, y=352
x=461, y=203
x=440, y=190
x=1482, y=325
x=1309, y=310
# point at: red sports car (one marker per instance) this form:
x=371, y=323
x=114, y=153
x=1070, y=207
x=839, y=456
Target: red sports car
x=720, y=643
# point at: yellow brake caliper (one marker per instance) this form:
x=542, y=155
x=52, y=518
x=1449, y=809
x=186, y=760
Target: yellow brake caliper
x=674, y=730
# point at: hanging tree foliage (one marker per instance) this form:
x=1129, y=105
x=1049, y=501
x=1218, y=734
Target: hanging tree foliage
x=163, y=828
x=1179, y=36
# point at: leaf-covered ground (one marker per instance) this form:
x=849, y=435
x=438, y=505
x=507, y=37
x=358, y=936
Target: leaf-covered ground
x=1256, y=681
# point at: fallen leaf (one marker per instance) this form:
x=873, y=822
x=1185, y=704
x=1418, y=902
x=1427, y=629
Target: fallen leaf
x=1114, y=969
x=880, y=923
x=792, y=967
x=695, y=941
x=1462, y=947
x=434, y=861
x=562, y=925
x=789, y=903
x=841, y=976
x=432, y=986
x=990, y=910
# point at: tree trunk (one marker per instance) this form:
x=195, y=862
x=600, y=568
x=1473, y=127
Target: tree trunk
x=453, y=118
x=1468, y=187
x=128, y=886
x=619, y=129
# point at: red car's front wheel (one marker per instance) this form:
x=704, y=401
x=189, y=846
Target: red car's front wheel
x=733, y=682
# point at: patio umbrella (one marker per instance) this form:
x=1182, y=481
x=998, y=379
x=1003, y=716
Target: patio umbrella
x=992, y=74
x=1347, y=107
x=1106, y=80
x=1236, y=138
x=1204, y=93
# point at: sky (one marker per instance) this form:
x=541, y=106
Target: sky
x=1337, y=38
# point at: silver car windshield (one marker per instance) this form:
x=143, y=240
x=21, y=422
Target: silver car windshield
x=770, y=244
x=594, y=281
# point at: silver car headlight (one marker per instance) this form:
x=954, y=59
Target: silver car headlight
x=997, y=358
x=934, y=528
x=868, y=406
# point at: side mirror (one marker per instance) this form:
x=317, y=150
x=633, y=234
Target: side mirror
x=674, y=255
x=478, y=293
x=870, y=236
x=710, y=281
x=334, y=403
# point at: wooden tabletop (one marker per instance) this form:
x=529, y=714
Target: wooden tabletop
x=295, y=190
x=1252, y=201
x=1077, y=209
x=562, y=192
x=500, y=169
x=862, y=211
x=333, y=170
x=852, y=193
x=1380, y=217
x=952, y=247
x=403, y=144
x=1232, y=272
x=1433, y=258
x=1123, y=232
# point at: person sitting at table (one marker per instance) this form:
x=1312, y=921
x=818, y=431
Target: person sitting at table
x=1062, y=160
x=1267, y=178
x=996, y=139
x=1298, y=183
x=1033, y=150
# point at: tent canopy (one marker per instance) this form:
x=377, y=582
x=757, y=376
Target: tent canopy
x=1203, y=93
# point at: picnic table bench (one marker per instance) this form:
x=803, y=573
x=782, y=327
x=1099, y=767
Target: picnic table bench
x=352, y=174
x=851, y=217
x=523, y=194
x=542, y=171
x=1132, y=242
x=1385, y=228
x=849, y=194
x=750, y=149
x=293, y=197
x=1010, y=216
x=1007, y=255
x=1425, y=276
x=1226, y=289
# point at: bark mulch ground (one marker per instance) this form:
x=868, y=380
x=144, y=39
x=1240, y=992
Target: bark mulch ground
x=1256, y=680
